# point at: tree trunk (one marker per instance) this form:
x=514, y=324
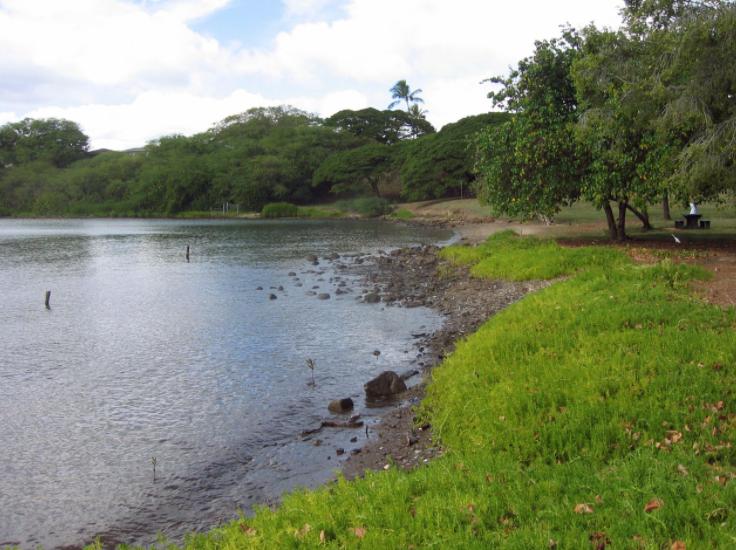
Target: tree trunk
x=643, y=216
x=374, y=186
x=666, y=206
x=612, y=231
x=622, y=205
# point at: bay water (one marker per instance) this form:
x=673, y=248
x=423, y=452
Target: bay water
x=146, y=361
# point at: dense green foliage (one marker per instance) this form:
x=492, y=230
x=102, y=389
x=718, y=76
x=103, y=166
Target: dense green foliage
x=532, y=166
x=387, y=127
x=599, y=409
x=356, y=170
x=264, y=155
x=53, y=140
x=443, y=164
x=626, y=117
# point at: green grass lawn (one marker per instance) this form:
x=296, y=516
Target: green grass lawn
x=599, y=410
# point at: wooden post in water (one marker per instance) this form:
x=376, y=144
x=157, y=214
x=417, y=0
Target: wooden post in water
x=48, y=299
x=187, y=253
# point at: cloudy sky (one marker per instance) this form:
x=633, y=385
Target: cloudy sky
x=132, y=70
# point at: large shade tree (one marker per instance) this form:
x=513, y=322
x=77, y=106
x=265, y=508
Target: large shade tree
x=532, y=165
x=356, y=170
x=57, y=141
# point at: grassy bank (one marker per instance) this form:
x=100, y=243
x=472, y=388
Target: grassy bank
x=600, y=410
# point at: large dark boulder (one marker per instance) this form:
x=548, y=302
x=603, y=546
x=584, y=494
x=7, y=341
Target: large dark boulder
x=386, y=384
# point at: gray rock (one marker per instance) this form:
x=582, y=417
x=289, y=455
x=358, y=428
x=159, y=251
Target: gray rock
x=341, y=405
x=292, y=274
x=386, y=384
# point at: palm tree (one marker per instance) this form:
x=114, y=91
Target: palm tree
x=401, y=92
x=417, y=112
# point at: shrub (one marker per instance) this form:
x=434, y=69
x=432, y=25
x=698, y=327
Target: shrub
x=279, y=210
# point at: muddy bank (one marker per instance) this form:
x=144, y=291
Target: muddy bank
x=414, y=277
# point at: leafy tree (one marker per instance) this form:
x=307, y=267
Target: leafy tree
x=443, y=164
x=617, y=109
x=355, y=170
x=701, y=101
x=532, y=164
x=387, y=127
x=53, y=140
x=258, y=122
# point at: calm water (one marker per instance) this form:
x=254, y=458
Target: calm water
x=144, y=355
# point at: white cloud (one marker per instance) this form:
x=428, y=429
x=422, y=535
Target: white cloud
x=189, y=10
x=129, y=70
x=107, y=42
x=446, y=48
x=152, y=115
x=306, y=8
x=6, y=117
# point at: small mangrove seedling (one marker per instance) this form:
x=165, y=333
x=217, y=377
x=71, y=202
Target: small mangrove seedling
x=153, y=463
x=310, y=366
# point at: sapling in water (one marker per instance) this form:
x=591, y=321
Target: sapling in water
x=310, y=366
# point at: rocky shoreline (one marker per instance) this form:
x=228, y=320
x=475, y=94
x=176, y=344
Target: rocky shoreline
x=413, y=277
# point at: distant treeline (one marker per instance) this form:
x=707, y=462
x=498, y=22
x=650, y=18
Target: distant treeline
x=248, y=160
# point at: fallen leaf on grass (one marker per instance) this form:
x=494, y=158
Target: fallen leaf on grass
x=599, y=540
x=682, y=469
x=722, y=480
x=322, y=536
x=247, y=530
x=652, y=505
x=583, y=508
x=678, y=545
x=359, y=532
